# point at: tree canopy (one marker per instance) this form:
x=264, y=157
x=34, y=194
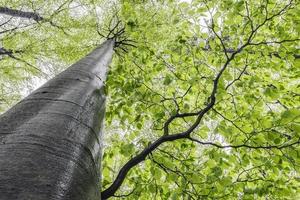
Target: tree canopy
x=203, y=102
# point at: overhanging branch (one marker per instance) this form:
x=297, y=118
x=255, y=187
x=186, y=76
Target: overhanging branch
x=23, y=14
x=110, y=191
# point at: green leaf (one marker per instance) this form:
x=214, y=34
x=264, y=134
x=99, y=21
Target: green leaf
x=211, y=163
x=277, y=141
x=167, y=80
x=290, y=115
x=127, y=149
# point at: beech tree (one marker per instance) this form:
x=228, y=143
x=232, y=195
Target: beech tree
x=50, y=145
x=204, y=104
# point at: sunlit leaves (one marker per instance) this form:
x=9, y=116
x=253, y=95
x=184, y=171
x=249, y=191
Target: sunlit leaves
x=257, y=98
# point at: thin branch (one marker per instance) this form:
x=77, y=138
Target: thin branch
x=244, y=145
x=10, y=53
x=238, y=78
x=125, y=195
x=274, y=42
x=33, y=15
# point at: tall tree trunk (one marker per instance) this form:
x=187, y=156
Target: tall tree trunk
x=50, y=142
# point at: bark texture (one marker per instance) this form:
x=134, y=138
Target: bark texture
x=50, y=142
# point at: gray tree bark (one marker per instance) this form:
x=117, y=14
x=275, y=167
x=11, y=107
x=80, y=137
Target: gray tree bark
x=50, y=142
x=18, y=13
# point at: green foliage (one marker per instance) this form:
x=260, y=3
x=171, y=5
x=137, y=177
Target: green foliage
x=177, y=58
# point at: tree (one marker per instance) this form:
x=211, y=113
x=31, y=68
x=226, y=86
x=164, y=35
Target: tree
x=17, y=46
x=50, y=140
x=24, y=60
x=214, y=76
x=207, y=104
